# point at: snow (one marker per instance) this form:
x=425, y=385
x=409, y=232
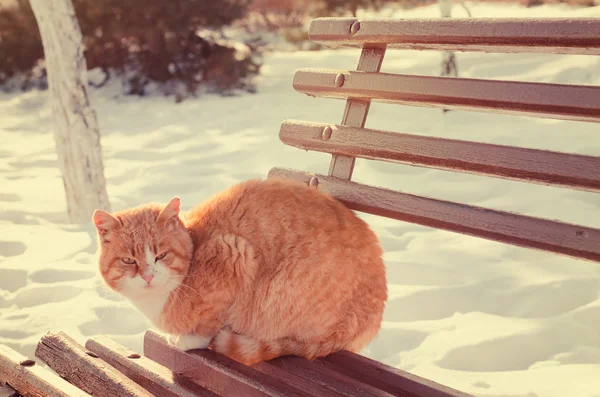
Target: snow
x=486, y=318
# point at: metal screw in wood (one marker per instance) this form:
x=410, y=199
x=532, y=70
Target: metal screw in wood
x=134, y=355
x=339, y=80
x=314, y=182
x=326, y=133
x=27, y=363
x=355, y=28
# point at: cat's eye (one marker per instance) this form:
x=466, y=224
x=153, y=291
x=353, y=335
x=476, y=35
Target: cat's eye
x=161, y=256
x=129, y=261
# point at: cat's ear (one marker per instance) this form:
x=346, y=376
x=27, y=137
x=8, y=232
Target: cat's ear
x=105, y=222
x=171, y=211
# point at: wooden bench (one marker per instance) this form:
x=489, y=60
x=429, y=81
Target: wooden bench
x=105, y=368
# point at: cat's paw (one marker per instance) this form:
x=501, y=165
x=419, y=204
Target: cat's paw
x=189, y=342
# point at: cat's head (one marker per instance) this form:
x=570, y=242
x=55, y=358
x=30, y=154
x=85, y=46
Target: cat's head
x=144, y=250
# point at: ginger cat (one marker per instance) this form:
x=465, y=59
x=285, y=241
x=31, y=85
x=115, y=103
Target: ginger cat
x=261, y=270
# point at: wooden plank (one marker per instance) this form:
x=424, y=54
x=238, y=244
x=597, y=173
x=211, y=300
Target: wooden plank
x=33, y=380
x=539, y=166
x=562, y=238
x=296, y=381
x=532, y=35
x=559, y=101
x=384, y=377
x=152, y=376
x=316, y=372
x=356, y=111
x=70, y=361
x=215, y=372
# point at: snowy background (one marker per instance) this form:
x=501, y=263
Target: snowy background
x=486, y=318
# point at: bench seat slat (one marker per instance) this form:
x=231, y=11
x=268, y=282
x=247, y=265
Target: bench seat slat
x=33, y=380
x=152, y=376
x=562, y=238
x=558, y=101
x=531, y=35
x=215, y=372
x=69, y=359
x=384, y=377
x=540, y=166
x=316, y=372
x=292, y=378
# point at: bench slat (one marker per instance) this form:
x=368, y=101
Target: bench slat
x=69, y=359
x=547, y=35
x=315, y=372
x=540, y=166
x=33, y=380
x=292, y=379
x=392, y=380
x=577, y=241
x=152, y=376
x=215, y=372
x=558, y=101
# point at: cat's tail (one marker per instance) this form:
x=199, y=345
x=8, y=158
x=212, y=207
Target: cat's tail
x=250, y=351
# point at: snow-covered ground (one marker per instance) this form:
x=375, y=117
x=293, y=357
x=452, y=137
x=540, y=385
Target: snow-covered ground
x=486, y=318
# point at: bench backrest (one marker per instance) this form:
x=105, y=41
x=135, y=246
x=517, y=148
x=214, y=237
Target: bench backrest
x=350, y=139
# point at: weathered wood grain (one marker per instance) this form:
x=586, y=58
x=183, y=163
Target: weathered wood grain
x=215, y=372
x=561, y=238
x=316, y=372
x=292, y=379
x=530, y=35
x=384, y=377
x=530, y=165
x=557, y=101
x=69, y=359
x=33, y=381
x=356, y=111
x=152, y=376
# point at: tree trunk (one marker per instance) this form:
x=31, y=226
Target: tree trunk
x=449, y=64
x=354, y=8
x=449, y=67
x=76, y=131
x=448, y=58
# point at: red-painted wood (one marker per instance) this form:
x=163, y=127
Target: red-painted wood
x=561, y=238
x=559, y=101
x=530, y=165
x=316, y=372
x=215, y=372
x=384, y=377
x=531, y=35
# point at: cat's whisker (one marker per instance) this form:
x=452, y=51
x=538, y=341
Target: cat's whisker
x=189, y=289
x=179, y=299
x=176, y=296
x=191, y=274
x=183, y=291
x=184, y=296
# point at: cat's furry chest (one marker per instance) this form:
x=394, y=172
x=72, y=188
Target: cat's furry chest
x=152, y=306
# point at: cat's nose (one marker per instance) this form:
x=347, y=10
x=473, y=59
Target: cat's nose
x=148, y=277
